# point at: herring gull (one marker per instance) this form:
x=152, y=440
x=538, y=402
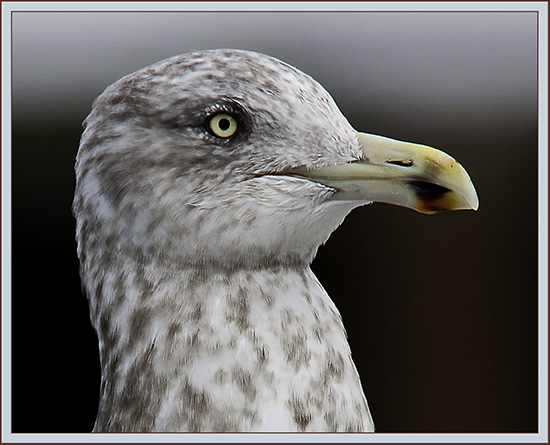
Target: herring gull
x=205, y=184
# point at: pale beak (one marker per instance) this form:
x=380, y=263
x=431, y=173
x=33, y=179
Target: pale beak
x=401, y=173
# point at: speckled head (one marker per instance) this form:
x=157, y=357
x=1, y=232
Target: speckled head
x=156, y=177
x=152, y=177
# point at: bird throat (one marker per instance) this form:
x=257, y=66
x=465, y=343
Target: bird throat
x=203, y=351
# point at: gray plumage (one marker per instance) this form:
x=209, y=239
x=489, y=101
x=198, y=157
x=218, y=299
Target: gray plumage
x=186, y=239
x=195, y=249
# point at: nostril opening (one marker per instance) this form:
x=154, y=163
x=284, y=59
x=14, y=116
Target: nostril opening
x=405, y=163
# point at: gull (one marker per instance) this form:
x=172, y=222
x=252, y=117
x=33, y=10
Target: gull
x=205, y=185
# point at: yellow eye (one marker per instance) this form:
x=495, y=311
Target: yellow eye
x=223, y=125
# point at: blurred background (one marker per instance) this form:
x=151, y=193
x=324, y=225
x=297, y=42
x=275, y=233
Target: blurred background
x=441, y=311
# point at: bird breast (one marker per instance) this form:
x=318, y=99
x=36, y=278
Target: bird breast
x=246, y=351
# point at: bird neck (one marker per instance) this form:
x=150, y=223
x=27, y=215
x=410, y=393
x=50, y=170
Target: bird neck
x=198, y=350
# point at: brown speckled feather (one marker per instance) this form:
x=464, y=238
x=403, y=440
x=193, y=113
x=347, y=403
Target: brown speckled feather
x=195, y=250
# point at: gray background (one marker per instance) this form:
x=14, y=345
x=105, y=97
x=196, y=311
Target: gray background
x=441, y=311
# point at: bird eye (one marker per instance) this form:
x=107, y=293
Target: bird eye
x=223, y=125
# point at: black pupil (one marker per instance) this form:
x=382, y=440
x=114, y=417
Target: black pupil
x=224, y=124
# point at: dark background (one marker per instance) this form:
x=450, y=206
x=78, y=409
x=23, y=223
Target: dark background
x=441, y=311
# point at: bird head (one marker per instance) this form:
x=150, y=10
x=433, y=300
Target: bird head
x=234, y=158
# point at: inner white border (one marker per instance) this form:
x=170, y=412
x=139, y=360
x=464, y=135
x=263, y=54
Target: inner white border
x=9, y=7
x=274, y=6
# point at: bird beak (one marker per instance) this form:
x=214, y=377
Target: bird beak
x=401, y=173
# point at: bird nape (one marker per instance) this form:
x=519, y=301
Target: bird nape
x=205, y=184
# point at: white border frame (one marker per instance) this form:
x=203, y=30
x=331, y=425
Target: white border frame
x=540, y=7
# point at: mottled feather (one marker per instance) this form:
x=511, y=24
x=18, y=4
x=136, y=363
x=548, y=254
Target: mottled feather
x=195, y=251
